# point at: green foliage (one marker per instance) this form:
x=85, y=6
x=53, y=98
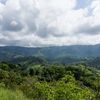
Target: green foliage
x=6, y=94
x=49, y=82
x=70, y=90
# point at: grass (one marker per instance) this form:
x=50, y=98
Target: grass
x=6, y=94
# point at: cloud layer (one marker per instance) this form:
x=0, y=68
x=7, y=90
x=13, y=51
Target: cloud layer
x=49, y=22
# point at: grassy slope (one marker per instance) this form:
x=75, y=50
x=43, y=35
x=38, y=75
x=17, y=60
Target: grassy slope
x=6, y=94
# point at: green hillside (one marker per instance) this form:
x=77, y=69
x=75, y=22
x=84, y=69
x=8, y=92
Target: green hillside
x=49, y=82
x=50, y=53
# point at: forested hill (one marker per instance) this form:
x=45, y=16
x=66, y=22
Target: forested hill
x=79, y=51
x=49, y=82
x=73, y=73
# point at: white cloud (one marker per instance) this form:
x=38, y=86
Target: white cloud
x=49, y=22
x=13, y=23
x=1, y=18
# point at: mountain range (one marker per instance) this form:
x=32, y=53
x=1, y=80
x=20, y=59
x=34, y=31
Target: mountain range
x=79, y=51
x=55, y=54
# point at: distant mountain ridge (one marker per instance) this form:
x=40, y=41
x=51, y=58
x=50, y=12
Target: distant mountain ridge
x=54, y=52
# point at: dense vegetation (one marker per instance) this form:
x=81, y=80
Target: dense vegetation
x=43, y=81
x=51, y=53
x=6, y=94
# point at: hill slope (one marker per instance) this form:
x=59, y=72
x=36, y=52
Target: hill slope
x=76, y=51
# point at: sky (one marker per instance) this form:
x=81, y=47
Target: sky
x=35, y=23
